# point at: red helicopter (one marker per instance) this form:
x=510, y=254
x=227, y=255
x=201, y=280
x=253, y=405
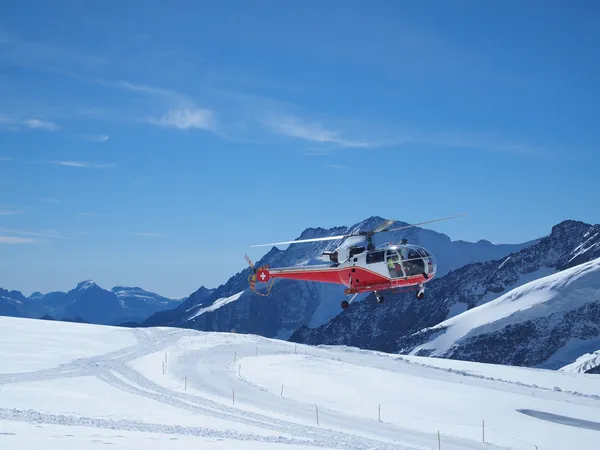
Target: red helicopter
x=359, y=268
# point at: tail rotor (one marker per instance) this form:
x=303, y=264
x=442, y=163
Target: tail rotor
x=261, y=274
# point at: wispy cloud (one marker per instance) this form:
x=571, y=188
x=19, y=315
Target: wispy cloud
x=182, y=113
x=186, y=118
x=15, y=236
x=53, y=201
x=6, y=159
x=15, y=123
x=91, y=214
x=297, y=127
x=10, y=212
x=42, y=55
x=16, y=240
x=82, y=164
x=41, y=124
x=149, y=234
x=95, y=137
x=336, y=166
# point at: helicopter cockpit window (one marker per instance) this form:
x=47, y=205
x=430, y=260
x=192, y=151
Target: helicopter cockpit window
x=414, y=265
x=393, y=264
x=423, y=253
x=375, y=257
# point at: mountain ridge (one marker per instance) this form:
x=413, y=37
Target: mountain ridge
x=292, y=304
x=87, y=301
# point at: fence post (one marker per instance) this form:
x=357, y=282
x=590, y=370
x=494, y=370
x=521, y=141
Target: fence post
x=234, y=356
x=240, y=371
x=163, y=367
x=317, y=411
x=379, y=413
x=439, y=442
x=185, y=382
x=233, y=395
x=282, y=390
x=483, y=430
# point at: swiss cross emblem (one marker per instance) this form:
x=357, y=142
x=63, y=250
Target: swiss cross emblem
x=263, y=275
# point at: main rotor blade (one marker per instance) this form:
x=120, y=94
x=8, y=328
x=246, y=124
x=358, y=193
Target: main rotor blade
x=423, y=223
x=329, y=238
x=383, y=226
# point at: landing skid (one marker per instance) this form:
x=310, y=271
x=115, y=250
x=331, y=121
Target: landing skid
x=421, y=292
x=346, y=303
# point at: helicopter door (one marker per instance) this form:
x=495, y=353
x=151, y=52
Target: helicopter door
x=392, y=259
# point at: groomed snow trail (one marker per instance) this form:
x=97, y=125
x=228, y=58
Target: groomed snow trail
x=117, y=369
x=184, y=388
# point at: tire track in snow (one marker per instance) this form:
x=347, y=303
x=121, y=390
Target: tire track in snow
x=105, y=366
x=129, y=378
x=32, y=416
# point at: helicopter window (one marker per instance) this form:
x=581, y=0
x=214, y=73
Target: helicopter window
x=375, y=257
x=412, y=254
x=415, y=264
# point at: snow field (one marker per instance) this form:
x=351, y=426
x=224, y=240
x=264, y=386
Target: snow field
x=173, y=388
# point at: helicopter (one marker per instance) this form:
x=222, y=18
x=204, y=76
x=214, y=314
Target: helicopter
x=361, y=268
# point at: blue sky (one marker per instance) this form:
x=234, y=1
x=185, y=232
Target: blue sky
x=152, y=145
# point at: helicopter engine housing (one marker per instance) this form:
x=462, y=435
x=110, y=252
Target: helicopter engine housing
x=342, y=254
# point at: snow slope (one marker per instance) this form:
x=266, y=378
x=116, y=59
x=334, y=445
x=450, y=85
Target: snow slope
x=549, y=322
x=588, y=363
x=71, y=386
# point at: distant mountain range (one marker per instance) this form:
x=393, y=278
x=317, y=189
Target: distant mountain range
x=87, y=302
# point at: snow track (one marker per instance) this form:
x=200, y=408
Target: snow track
x=113, y=368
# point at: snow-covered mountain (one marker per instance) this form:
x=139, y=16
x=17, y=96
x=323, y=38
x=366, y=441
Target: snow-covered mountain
x=545, y=323
x=292, y=304
x=387, y=327
x=586, y=363
x=87, y=301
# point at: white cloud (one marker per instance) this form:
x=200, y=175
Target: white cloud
x=186, y=118
x=41, y=124
x=95, y=137
x=297, y=127
x=148, y=234
x=10, y=212
x=16, y=240
x=182, y=112
x=15, y=123
x=91, y=214
x=49, y=234
x=82, y=164
x=336, y=166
